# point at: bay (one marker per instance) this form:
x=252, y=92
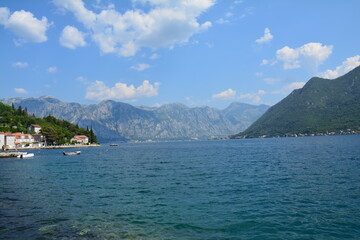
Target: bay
x=279, y=188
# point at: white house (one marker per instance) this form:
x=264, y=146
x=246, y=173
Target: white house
x=80, y=139
x=2, y=139
x=21, y=140
x=10, y=140
x=34, y=128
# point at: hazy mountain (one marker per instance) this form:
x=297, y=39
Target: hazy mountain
x=116, y=120
x=321, y=105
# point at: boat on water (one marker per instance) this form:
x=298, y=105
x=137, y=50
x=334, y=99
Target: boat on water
x=25, y=155
x=114, y=145
x=71, y=153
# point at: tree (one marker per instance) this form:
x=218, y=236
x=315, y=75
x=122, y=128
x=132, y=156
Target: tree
x=50, y=134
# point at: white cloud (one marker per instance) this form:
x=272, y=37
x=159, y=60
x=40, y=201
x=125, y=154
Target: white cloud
x=348, y=65
x=121, y=91
x=72, y=38
x=266, y=38
x=271, y=80
x=164, y=25
x=52, y=69
x=154, y=56
x=81, y=79
x=229, y=14
x=222, y=21
x=268, y=62
x=253, y=97
x=20, y=90
x=140, y=67
x=227, y=94
x=310, y=55
x=24, y=25
x=20, y=64
x=264, y=62
x=261, y=92
x=259, y=74
x=289, y=88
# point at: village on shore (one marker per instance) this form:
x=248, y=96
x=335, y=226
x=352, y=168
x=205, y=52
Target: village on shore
x=36, y=140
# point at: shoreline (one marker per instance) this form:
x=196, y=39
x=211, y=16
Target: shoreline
x=60, y=147
x=15, y=153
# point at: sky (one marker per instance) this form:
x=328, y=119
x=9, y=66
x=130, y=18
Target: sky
x=154, y=52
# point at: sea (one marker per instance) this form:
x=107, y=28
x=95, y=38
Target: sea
x=278, y=188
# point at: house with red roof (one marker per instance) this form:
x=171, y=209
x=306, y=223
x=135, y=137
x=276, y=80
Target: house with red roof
x=80, y=139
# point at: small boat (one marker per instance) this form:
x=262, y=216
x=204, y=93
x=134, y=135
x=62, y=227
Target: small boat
x=25, y=155
x=114, y=145
x=71, y=153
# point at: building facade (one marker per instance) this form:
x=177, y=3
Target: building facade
x=80, y=139
x=34, y=128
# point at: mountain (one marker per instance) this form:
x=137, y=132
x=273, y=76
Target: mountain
x=113, y=121
x=321, y=106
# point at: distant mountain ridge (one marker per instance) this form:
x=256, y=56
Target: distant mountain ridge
x=321, y=106
x=119, y=121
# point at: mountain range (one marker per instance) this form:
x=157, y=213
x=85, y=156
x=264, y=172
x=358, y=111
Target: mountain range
x=321, y=106
x=115, y=121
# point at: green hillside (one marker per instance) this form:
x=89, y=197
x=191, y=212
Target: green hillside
x=321, y=106
x=56, y=131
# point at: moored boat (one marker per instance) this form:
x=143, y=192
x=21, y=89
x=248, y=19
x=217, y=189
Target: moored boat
x=114, y=145
x=71, y=153
x=25, y=155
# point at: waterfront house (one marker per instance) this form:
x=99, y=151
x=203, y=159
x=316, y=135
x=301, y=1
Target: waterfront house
x=80, y=139
x=2, y=139
x=21, y=140
x=34, y=128
x=10, y=140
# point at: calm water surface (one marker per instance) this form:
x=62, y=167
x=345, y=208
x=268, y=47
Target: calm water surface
x=286, y=188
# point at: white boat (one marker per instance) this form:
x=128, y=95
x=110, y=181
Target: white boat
x=71, y=153
x=25, y=155
x=113, y=145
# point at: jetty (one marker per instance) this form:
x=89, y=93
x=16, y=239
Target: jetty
x=10, y=154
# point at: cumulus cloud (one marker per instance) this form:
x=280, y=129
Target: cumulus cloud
x=24, y=25
x=164, y=25
x=20, y=64
x=72, y=38
x=140, y=67
x=121, y=91
x=310, y=55
x=20, y=90
x=289, y=88
x=266, y=38
x=52, y=69
x=348, y=65
x=227, y=94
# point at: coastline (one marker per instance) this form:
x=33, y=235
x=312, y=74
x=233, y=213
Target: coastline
x=61, y=146
x=16, y=153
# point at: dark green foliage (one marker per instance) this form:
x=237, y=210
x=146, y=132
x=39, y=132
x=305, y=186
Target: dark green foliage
x=56, y=131
x=92, y=137
x=321, y=106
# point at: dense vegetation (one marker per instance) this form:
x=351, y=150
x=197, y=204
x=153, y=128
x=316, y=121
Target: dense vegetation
x=56, y=131
x=321, y=106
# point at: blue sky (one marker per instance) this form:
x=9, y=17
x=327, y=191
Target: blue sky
x=152, y=52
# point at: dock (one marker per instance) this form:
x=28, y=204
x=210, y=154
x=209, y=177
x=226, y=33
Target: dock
x=10, y=154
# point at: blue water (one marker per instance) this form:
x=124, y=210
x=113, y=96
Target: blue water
x=285, y=188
